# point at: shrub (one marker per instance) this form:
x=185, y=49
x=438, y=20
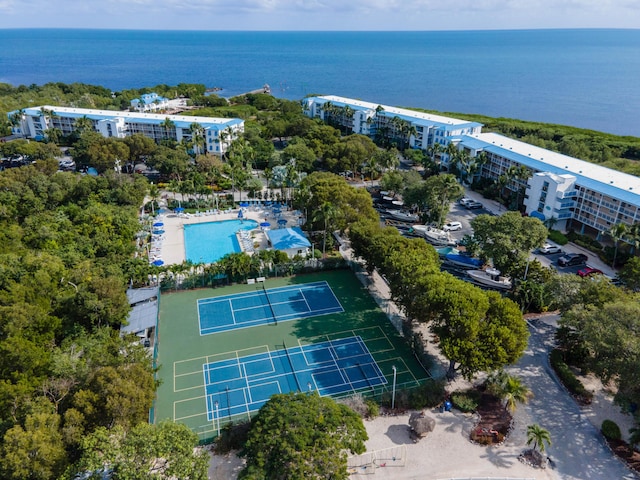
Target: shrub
x=373, y=409
x=611, y=430
x=558, y=237
x=568, y=378
x=465, y=401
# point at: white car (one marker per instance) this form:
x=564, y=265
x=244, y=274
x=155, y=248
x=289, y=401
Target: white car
x=452, y=226
x=547, y=248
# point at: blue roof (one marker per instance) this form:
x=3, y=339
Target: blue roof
x=288, y=238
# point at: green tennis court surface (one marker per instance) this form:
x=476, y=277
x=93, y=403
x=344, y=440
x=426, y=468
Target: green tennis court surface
x=185, y=357
x=249, y=309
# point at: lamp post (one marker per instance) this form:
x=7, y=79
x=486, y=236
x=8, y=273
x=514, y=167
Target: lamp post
x=393, y=394
x=217, y=419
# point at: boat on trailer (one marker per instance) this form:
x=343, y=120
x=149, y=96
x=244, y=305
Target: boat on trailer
x=403, y=216
x=434, y=235
x=463, y=261
x=490, y=277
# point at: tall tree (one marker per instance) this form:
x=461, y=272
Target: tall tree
x=300, y=436
x=617, y=233
x=508, y=239
x=326, y=215
x=163, y=451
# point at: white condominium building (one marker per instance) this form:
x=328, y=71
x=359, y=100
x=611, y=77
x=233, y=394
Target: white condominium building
x=407, y=128
x=579, y=195
x=218, y=133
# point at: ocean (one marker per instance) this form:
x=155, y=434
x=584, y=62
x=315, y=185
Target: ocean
x=584, y=78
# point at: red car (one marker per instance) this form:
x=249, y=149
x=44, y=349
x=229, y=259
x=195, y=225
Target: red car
x=585, y=272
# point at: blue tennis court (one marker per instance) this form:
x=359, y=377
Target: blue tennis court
x=244, y=384
x=262, y=306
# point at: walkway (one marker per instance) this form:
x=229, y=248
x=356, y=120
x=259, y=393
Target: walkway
x=578, y=452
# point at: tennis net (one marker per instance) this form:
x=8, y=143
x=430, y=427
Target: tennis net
x=275, y=319
x=293, y=370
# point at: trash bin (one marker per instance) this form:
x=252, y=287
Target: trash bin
x=447, y=406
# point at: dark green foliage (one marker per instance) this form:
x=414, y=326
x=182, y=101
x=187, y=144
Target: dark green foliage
x=558, y=237
x=568, y=378
x=299, y=436
x=373, y=409
x=233, y=436
x=611, y=430
x=466, y=401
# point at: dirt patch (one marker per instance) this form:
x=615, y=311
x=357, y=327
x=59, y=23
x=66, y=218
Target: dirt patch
x=626, y=453
x=494, y=423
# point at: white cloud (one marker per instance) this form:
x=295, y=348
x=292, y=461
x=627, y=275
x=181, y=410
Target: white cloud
x=322, y=14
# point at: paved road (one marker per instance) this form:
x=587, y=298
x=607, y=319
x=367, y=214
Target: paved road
x=578, y=450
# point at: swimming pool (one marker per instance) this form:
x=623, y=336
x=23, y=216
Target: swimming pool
x=209, y=242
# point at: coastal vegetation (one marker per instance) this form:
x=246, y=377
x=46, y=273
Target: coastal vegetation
x=612, y=151
x=75, y=395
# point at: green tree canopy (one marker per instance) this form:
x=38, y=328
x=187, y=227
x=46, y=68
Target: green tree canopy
x=302, y=436
x=508, y=239
x=165, y=451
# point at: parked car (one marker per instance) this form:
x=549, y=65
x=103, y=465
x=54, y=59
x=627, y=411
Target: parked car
x=547, y=249
x=572, y=259
x=452, y=226
x=473, y=205
x=585, y=272
x=464, y=200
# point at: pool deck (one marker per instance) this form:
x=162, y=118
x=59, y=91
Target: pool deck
x=171, y=249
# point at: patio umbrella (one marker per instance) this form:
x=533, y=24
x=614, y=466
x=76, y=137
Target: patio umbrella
x=276, y=210
x=178, y=209
x=240, y=215
x=157, y=263
x=243, y=204
x=282, y=222
x=158, y=224
x=265, y=224
x=158, y=232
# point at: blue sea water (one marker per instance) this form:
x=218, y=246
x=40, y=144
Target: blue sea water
x=586, y=78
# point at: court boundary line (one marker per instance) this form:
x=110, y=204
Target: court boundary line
x=332, y=368
x=261, y=322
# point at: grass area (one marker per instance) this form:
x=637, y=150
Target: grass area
x=182, y=351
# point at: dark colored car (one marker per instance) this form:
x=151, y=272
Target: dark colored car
x=572, y=259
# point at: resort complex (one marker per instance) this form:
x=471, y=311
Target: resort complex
x=215, y=133
x=577, y=194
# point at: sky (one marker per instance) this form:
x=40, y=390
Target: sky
x=320, y=14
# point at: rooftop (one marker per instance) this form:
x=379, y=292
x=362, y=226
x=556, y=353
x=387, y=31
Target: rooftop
x=596, y=177
x=427, y=118
x=287, y=238
x=182, y=121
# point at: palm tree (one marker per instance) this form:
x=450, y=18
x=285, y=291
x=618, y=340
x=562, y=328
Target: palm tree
x=168, y=125
x=198, y=137
x=434, y=152
x=617, y=232
x=633, y=236
x=514, y=392
x=326, y=214
x=16, y=120
x=538, y=436
x=83, y=124
x=154, y=193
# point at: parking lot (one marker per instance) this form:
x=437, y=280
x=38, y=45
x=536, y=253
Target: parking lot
x=459, y=213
